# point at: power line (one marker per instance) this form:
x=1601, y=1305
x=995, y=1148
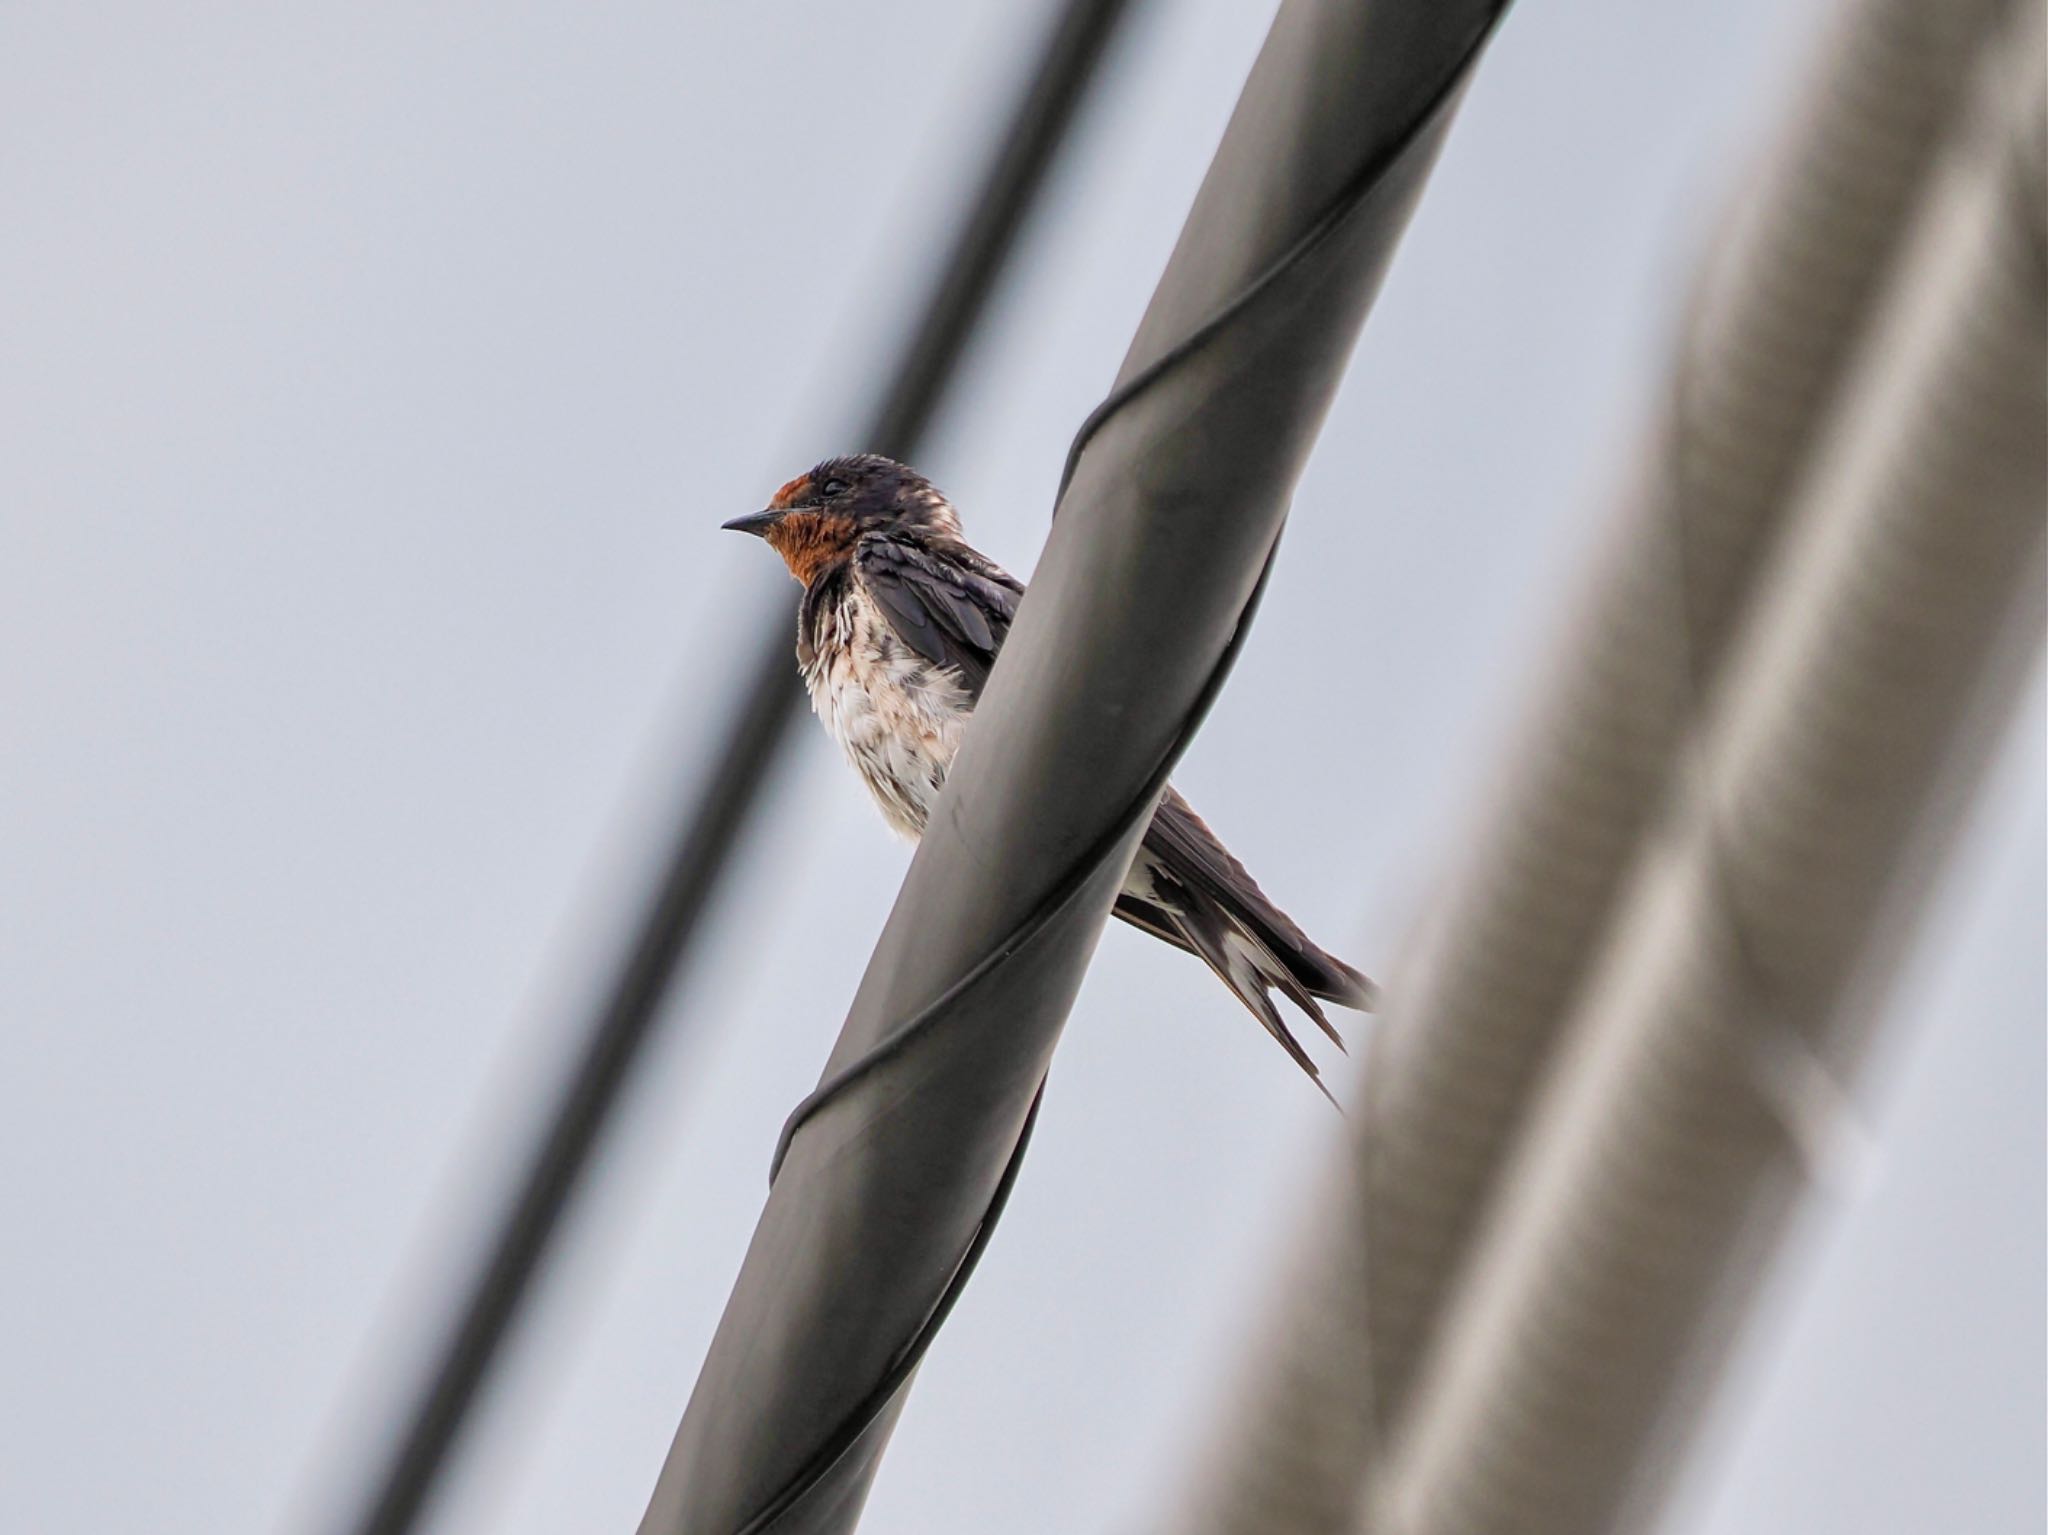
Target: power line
x=1791, y=340
x=1167, y=523
x=1888, y=643
x=702, y=846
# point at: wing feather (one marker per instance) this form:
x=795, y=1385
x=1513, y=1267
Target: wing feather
x=948, y=604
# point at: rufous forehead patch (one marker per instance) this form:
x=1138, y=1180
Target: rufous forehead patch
x=790, y=492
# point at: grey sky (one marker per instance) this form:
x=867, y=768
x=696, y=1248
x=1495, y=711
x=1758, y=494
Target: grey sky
x=376, y=378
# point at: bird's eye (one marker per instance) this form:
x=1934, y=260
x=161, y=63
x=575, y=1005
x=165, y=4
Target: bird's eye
x=832, y=488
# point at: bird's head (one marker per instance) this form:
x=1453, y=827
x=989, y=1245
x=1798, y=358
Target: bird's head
x=814, y=521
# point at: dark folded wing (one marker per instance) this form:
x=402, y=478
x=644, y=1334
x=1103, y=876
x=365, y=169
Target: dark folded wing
x=944, y=601
x=1187, y=850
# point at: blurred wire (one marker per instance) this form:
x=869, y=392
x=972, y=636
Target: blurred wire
x=1175, y=497
x=1795, y=332
x=1736, y=992
x=703, y=845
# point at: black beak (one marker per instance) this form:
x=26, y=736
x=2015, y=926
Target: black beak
x=756, y=523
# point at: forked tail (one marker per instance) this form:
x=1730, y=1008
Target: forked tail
x=1187, y=889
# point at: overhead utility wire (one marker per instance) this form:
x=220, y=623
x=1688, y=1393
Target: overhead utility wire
x=1743, y=979
x=709, y=830
x=1166, y=527
x=1472, y=1032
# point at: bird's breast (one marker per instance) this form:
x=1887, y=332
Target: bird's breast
x=897, y=716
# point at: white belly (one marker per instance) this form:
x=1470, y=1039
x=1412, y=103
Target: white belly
x=897, y=717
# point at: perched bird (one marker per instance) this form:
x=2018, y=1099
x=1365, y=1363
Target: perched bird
x=899, y=625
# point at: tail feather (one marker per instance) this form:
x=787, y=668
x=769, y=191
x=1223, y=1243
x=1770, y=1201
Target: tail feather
x=1185, y=888
x=1273, y=970
x=1204, y=925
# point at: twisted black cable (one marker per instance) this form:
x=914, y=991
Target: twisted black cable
x=1352, y=195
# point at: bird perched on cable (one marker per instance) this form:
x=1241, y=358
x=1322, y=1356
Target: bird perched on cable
x=898, y=628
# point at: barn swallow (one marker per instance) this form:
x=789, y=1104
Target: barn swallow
x=898, y=628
